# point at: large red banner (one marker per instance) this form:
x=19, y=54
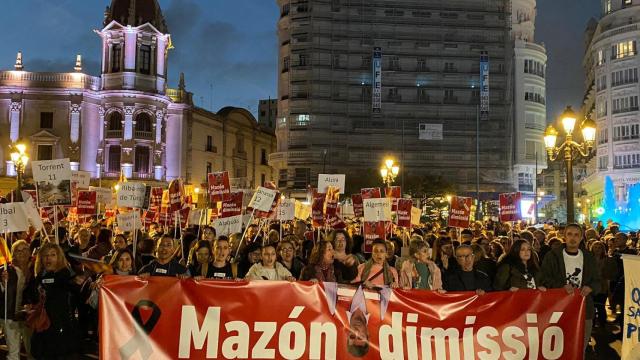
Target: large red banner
x=168, y=318
x=460, y=212
x=510, y=207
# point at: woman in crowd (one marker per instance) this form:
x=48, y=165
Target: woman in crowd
x=376, y=272
x=122, y=262
x=119, y=242
x=222, y=268
x=518, y=269
x=208, y=234
x=57, y=290
x=13, y=285
x=286, y=250
x=443, y=253
x=358, y=248
x=200, y=260
x=419, y=271
x=496, y=250
x=324, y=267
x=268, y=268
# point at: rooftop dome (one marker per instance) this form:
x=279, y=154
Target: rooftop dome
x=136, y=13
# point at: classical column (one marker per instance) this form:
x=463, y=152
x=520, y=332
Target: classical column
x=158, y=147
x=101, y=144
x=14, y=120
x=74, y=135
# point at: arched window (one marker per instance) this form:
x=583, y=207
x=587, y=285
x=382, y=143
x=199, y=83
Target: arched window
x=115, y=121
x=143, y=122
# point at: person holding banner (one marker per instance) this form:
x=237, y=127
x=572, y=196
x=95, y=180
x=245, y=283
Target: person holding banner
x=323, y=267
x=165, y=263
x=571, y=268
x=57, y=289
x=200, y=261
x=418, y=271
x=376, y=272
x=286, y=252
x=464, y=277
x=518, y=270
x=222, y=268
x=102, y=246
x=269, y=268
x=122, y=262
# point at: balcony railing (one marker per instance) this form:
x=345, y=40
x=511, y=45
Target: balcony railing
x=142, y=175
x=628, y=166
x=144, y=135
x=628, y=137
x=625, y=110
x=114, y=133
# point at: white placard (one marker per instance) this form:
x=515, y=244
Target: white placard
x=32, y=213
x=196, y=216
x=262, y=199
x=82, y=179
x=377, y=209
x=129, y=221
x=416, y=213
x=229, y=225
x=51, y=170
x=430, y=132
x=346, y=210
x=13, y=217
x=335, y=180
x=286, y=210
x=103, y=195
x=245, y=219
x=131, y=194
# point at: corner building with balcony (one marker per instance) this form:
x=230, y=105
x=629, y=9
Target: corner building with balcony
x=611, y=65
x=127, y=120
x=430, y=75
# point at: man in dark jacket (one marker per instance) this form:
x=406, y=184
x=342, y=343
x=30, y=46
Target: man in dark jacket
x=572, y=268
x=465, y=277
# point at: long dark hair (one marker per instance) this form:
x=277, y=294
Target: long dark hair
x=318, y=252
x=116, y=257
x=513, y=257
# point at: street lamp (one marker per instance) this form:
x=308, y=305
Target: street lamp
x=389, y=172
x=570, y=149
x=20, y=160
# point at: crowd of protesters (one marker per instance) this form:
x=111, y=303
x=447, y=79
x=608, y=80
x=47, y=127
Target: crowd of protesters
x=52, y=283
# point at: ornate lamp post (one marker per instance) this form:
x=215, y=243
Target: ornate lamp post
x=570, y=149
x=20, y=160
x=389, y=172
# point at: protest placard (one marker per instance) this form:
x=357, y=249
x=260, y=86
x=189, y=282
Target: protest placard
x=510, y=207
x=335, y=180
x=358, y=206
x=129, y=222
x=82, y=179
x=403, y=212
x=303, y=210
x=233, y=205
x=229, y=225
x=13, y=217
x=416, y=213
x=104, y=196
x=460, y=212
x=262, y=199
x=219, y=188
x=86, y=204
x=53, y=180
x=32, y=213
x=377, y=209
x=131, y=194
x=286, y=210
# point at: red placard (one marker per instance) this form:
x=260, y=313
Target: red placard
x=403, y=213
x=170, y=318
x=370, y=193
x=219, y=187
x=148, y=217
x=394, y=193
x=358, y=206
x=460, y=212
x=175, y=196
x=510, y=207
x=372, y=231
x=317, y=210
x=86, y=204
x=183, y=215
x=155, y=200
x=233, y=205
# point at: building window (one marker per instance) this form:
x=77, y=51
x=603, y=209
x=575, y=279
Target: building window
x=263, y=158
x=525, y=182
x=303, y=59
x=421, y=64
x=115, y=121
x=394, y=95
x=209, y=167
x=623, y=49
x=607, y=6
x=601, y=57
x=114, y=158
x=142, y=160
x=46, y=120
x=625, y=104
x=116, y=55
x=449, y=67
x=336, y=61
x=423, y=97
x=284, y=10
x=626, y=3
x=395, y=63
x=534, y=67
x=45, y=152
x=143, y=123
x=285, y=64
x=303, y=120
x=603, y=162
x=209, y=146
x=623, y=77
x=448, y=96
x=145, y=59
x=366, y=62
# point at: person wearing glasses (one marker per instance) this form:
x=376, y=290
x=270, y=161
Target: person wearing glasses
x=465, y=277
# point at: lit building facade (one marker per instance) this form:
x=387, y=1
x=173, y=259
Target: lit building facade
x=127, y=120
x=328, y=95
x=529, y=100
x=611, y=65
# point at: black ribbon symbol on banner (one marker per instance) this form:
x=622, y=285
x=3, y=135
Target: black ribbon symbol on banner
x=139, y=341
